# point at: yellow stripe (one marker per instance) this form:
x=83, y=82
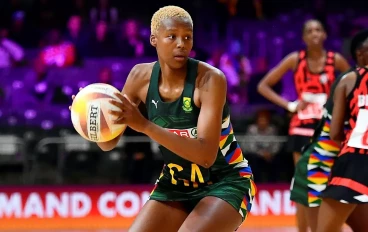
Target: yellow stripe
x=222, y=142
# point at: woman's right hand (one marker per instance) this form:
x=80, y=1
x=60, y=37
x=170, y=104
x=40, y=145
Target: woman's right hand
x=73, y=96
x=296, y=106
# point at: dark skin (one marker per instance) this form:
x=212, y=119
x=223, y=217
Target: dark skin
x=173, y=42
x=343, y=89
x=313, y=212
x=336, y=213
x=314, y=37
x=333, y=213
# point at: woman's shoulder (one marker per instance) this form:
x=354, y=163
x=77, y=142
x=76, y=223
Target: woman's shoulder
x=207, y=72
x=141, y=71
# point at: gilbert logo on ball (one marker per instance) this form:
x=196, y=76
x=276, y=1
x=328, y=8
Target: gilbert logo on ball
x=89, y=113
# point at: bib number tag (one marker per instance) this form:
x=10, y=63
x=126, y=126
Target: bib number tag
x=314, y=109
x=359, y=136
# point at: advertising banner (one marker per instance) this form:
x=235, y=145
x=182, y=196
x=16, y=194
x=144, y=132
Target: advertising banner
x=109, y=207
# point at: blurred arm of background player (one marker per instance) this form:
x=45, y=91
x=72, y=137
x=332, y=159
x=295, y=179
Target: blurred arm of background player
x=128, y=89
x=341, y=63
x=343, y=89
x=289, y=63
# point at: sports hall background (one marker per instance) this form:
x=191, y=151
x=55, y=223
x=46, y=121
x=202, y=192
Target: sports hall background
x=50, y=178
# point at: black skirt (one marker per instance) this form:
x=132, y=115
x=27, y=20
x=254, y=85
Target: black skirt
x=349, y=179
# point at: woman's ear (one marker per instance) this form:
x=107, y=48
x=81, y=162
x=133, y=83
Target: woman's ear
x=153, y=40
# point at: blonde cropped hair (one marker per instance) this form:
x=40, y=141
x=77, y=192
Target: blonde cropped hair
x=166, y=13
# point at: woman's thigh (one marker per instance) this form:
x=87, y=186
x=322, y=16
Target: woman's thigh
x=212, y=214
x=332, y=215
x=358, y=218
x=160, y=216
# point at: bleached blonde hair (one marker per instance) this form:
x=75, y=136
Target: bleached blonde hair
x=166, y=13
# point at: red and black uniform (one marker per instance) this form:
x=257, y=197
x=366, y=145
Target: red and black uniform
x=313, y=88
x=349, y=176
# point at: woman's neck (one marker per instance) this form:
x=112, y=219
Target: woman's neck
x=316, y=53
x=172, y=77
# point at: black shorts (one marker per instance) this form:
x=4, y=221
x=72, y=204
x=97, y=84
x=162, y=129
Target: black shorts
x=348, y=182
x=296, y=143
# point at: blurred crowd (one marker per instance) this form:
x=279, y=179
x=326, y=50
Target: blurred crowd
x=46, y=33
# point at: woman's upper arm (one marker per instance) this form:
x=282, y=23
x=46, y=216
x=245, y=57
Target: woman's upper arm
x=276, y=73
x=212, y=98
x=131, y=88
x=338, y=113
x=344, y=87
x=133, y=83
x=341, y=63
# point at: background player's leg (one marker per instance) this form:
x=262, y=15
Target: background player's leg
x=212, y=214
x=356, y=221
x=333, y=214
x=312, y=217
x=159, y=216
x=301, y=218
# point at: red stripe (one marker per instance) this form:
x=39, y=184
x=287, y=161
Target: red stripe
x=236, y=155
x=223, y=137
x=356, y=186
x=330, y=142
x=318, y=175
x=361, y=71
x=245, y=174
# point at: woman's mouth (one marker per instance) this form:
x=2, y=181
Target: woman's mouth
x=179, y=58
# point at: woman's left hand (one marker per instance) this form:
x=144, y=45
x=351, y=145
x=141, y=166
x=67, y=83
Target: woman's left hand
x=129, y=113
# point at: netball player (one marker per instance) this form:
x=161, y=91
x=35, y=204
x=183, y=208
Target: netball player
x=314, y=167
x=206, y=183
x=346, y=195
x=314, y=72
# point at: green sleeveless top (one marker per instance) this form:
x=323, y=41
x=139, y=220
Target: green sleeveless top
x=181, y=117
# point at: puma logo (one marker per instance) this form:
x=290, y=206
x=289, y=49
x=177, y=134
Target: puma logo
x=155, y=103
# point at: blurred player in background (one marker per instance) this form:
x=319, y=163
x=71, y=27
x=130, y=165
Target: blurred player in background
x=346, y=195
x=314, y=167
x=206, y=183
x=314, y=72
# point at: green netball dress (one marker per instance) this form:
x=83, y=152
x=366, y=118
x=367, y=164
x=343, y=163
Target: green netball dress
x=314, y=167
x=230, y=178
